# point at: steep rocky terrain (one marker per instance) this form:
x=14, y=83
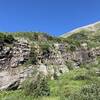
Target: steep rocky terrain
x=29, y=54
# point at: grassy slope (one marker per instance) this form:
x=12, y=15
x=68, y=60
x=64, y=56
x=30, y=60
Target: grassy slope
x=89, y=34
x=67, y=84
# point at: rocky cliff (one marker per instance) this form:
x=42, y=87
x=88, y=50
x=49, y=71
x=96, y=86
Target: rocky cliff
x=31, y=54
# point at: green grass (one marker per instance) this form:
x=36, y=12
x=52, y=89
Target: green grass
x=67, y=84
x=19, y=95
x=71, y=82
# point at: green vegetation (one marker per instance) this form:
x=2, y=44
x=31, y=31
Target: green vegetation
x=78, y=84
x=73, y=82
x=33, y=56
x=36, y=87
x=74, y=41
x=28, y=35
x=34, y=36
x=19, y=95
x=69, y=65
x=45, y=47
x=84, y=36
x=7, y=38
x=87, y=92
x=79, y=36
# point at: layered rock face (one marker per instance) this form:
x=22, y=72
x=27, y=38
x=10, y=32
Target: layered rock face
x=12, y=56
x=24, y=57
x=53, y=62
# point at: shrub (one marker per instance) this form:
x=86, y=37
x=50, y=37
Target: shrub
x=82, y=77
x=45, y=49
x=72, y=48
x=9, y=39
x=88, y=92
x=49, y=38
x=79, y=36
x=2, y=37
x=69, y=65
x=36, y=36
x=33, y=56
x=45, y=46
x=82, y=74
x=37, y=87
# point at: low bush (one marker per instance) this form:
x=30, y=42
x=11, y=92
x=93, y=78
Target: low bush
x=7, y=38
x=33, y=56
x=37, y=87
x=45, y=49
x=82, y=77
x=87, y=92
x=69, y=65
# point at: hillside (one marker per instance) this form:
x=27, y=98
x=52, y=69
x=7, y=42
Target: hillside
x=89, y=34
x=37, y=66
x=93, y=30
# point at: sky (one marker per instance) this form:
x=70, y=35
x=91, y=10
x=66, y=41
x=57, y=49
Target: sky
x=52, y=16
